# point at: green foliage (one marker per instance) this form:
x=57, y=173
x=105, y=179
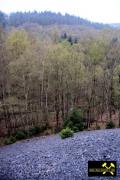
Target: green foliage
x=75, y=120
x=72, y=40
x=110, y=125
x=18, y=42
x=33, y=131
x=75, y=129
x=96, y=51
x=36, y=67
x=25, y=132
x=64, y=36
x=65, y=133
x=10, y=140
x=20, y=135
x=36, y=130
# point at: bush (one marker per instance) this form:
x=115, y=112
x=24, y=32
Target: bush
x=74, y=121
x=65, y=133
x=110, y=125
x=36, y=130
x=75, y=129
x=20, y=135
x=80, y=126
x=10, y=140
x=32, y=131
x=26, y=132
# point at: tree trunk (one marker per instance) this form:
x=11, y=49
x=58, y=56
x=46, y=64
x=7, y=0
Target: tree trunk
x=62, y=105
x=57, y=110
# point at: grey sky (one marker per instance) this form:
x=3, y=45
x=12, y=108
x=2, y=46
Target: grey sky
x=106, y=11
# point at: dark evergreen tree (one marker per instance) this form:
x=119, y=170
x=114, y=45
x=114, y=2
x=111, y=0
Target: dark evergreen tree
x=75, y=41
x=64, y=36
x=3, y=19
x=70, y=40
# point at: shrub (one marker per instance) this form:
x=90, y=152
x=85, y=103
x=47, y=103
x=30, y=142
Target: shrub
x=13, y=139
x=26, y=132
x=110, y=125
x=68, y=123
x=20, y=135
x=75, y=120
x=36, y=130
x=65, y=133
x=80, y=126
x=10, y=140
x=32, y=131
x=75, y=129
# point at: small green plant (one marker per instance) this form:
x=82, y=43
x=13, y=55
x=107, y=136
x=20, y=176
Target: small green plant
x=74, y=120
x=20, y=135
x=110, y=125
x=10, y=140
x=75, y=129
x=33, y=131
x=65, y=133
x=36, y=130
x=25, y=132
x=80, y=126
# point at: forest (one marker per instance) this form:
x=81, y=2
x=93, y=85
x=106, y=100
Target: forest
x=46, y=18
x=50, y=64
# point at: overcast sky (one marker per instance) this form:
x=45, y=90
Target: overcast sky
x=106, y=11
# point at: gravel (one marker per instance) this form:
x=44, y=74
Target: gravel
x=51, y=158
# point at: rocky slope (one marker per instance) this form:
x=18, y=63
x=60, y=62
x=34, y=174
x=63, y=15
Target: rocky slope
x=51, y=158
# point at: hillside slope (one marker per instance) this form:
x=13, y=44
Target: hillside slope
x=46, y=18
x=50, y=158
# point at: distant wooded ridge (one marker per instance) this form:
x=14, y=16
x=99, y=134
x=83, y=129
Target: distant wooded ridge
x=47, y=18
